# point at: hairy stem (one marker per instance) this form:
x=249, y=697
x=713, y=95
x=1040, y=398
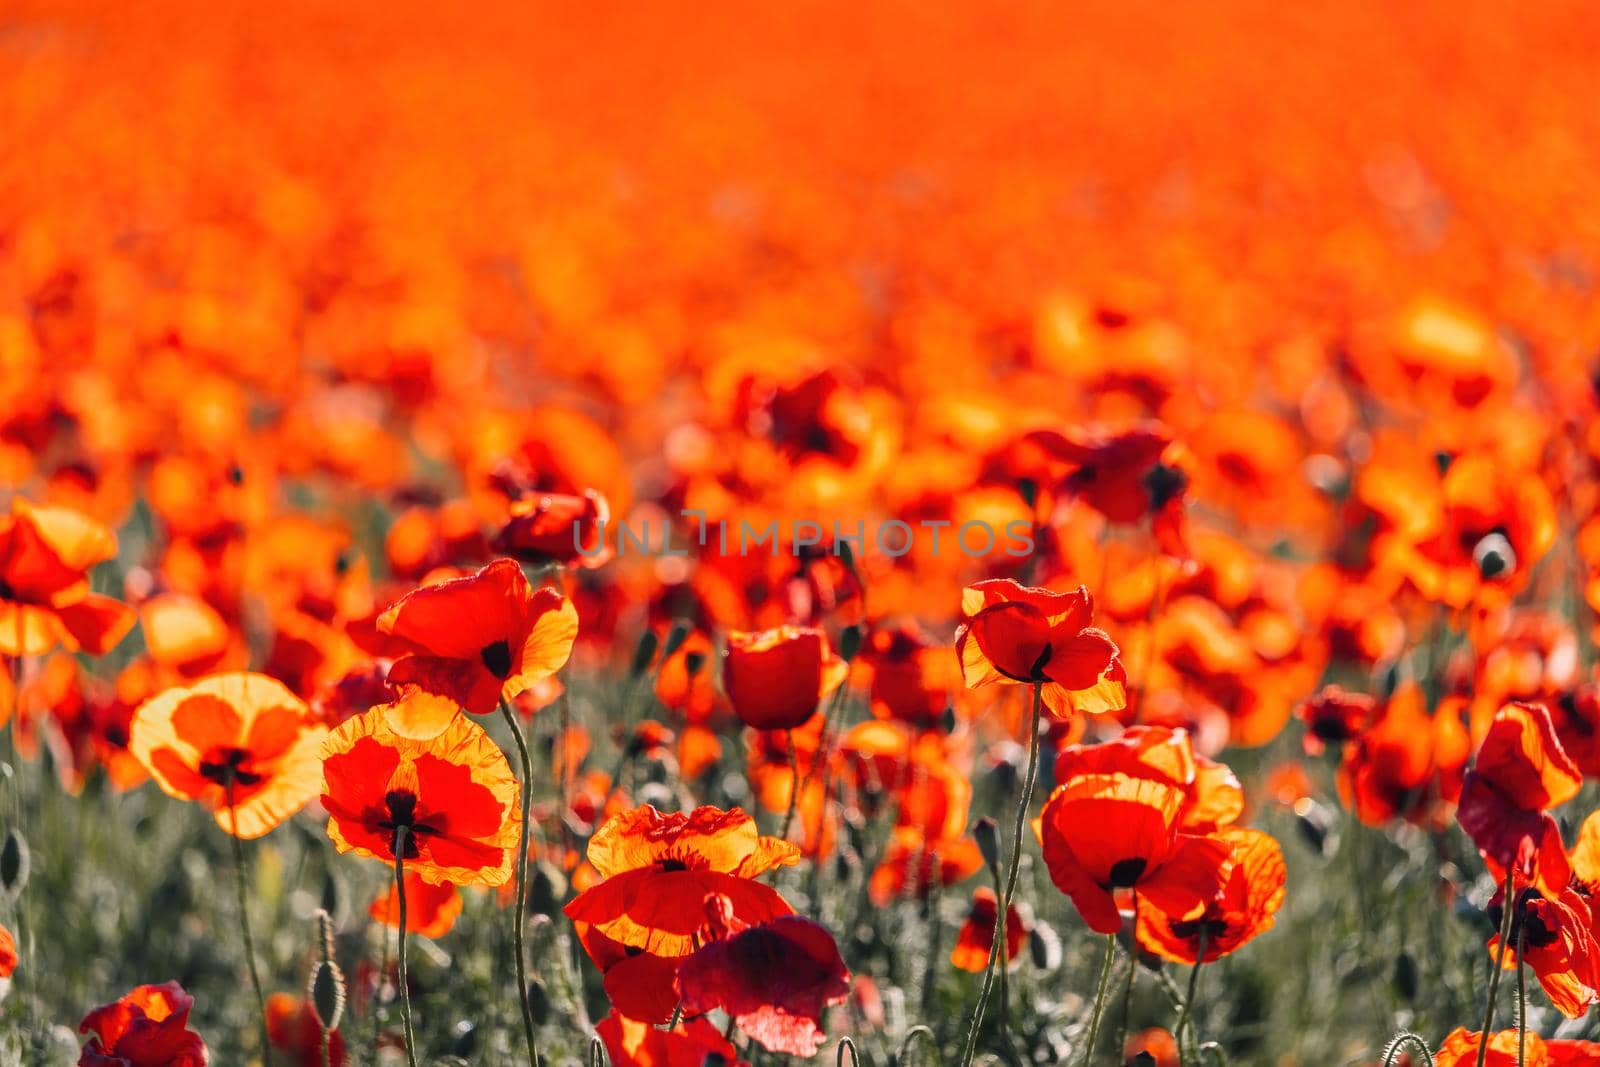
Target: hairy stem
x=522, y=881
x=405, y=988
x=1510, y=902
x=244, y=922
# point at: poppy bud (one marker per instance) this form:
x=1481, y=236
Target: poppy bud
x=1405, y=976
x=849, y=642
x=676, y=637
x=326, y=991
x=1028, y=490
x=1314, y=823
x=1044, y=946
x=14, y=864
x=1494, y=556
x=987, y=834
x=645, y=653
x=332, y=894
x=538, y=1002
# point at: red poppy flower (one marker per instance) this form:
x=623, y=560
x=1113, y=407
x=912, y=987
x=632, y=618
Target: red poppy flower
x=557, y=528
x=776, y=979
x=1245, y=908
x=1015, y=633
x=1521, y=770
x=975, y=942
x=294, y=1031
x=239, y=736
x=659, y=868
x=45, y=556
x=8, y=954
x=148, y=1027
x=1106, y=832
x=632, y=1043
x=481, y=638
x=1558, y=944
x=431, y=909
x=1157, y=1047
x=1460, y=1049
x=776, y=678
x=914, y=866
x=449, y=785
x=640, y=984
x=1335, y=716
x=912, y=677
x=1408, y=764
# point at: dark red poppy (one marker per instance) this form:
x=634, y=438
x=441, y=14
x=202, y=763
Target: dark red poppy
x=776, y=980
x=557, y=528
x=975, y=941
x=776, y=678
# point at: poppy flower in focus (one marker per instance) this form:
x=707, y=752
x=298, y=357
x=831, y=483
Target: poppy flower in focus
x=1109, y=832
x=431, y=909
x=1212, y=794
x=482, y=638
x=1016, y=633
x=640, y=985
x=45, y=557
x=975, y=942
x=775, y=979
x=147, y=1027
x=1460, y=1049
x=240, y=744
x=659, y=868
x=1521, y=771
x=632, y=1043
x=557, y=528
x=294, y=1031
x=1246, y=907
x=776, y=678
x=1556, y=934
x=451, y=788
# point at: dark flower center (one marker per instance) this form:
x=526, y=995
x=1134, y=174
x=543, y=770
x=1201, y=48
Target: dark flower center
x=1163, y=484
x=1125, y=873
x=6, y=592
x=224, y=765
x=673, y=865
x=497, y=659
x=1190, y=930
x=1037, y=672
x=402, y=806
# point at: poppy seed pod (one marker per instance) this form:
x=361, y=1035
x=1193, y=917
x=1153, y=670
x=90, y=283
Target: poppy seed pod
x=644, y=653
x=681, y=628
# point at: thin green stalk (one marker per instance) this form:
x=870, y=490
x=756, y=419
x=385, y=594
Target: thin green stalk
x=794, y=785
x=405, y=988
x=244, y=921
x=1100, y=999
x=1127, y=992
x=522, y=879
x=997, y=950
x=1188, y=998
x=1522, y=999
x=1510, y=902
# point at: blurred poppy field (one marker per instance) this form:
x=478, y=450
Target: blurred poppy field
x=888, y=534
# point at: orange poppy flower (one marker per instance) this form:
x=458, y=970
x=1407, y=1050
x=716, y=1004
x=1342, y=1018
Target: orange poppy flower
x=775, y=979
x=775, y=678
x=1521, y=771
x=183, y=633
x=481, y=638
x=431, y=908
x=1157, y=1047
x=1558, y=944
x=1107, y=832
x=659, y=868
x=1245, y=908
x=241, y=744
x=640, y=984
x=912, y=677
x=45, y=557
x=1212, y=794
x=147, y=1027
x=294, y=1031
x=1015, y=633
x=1460, y=1049
x=449, y=785
x=632, y=1043
x=975, y=942
x=1408, y=764
x=914, y=866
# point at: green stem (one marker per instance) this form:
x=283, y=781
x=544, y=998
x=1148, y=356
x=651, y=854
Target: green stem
x=1127, y=992
x=405, y=988
x=997, y=950
x=1100, y=999
x=1509, y=903
x=521, y=885
x=1522, y=999
x=1188, y=999
x=794, y=785
x=244, y=921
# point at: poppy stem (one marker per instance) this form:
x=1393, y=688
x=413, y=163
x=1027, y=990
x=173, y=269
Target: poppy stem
x=522, y=881
x=997, y=949
x=1522, y=999
x=794, y=784
x=1188, y=998
x=405, y=988
x=1127, y=989
x=1500, y=957
x=244, y=921
x=1100, y=999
